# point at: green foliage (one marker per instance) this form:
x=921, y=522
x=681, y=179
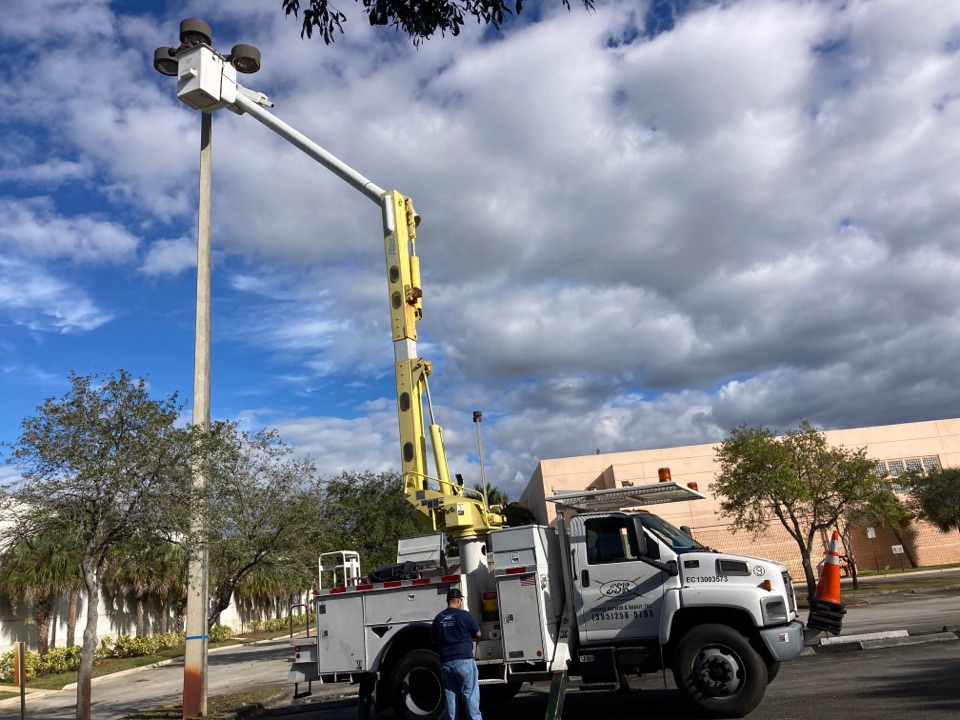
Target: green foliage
x=419, y=19
x=261, y=507
x=368, y=513
x=36, y=570
x=104, y=461
x=220, y=633
x=31, y=659
x=935, y=496
x=517, y=515
x=797, y=480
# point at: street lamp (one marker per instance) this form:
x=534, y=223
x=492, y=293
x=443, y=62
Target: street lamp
x=183, y=62
x=477, y=417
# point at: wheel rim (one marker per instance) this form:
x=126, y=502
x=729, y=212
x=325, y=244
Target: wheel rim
x=423, y=692
x=718, y=671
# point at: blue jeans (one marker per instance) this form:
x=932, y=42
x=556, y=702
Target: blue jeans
x=459, y=679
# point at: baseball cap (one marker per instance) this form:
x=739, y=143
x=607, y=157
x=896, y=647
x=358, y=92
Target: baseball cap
x=454, y=594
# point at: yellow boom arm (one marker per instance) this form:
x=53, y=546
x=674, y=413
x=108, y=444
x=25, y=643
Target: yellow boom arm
x=442, y=505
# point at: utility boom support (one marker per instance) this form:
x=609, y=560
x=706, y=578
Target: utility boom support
x=442, y=505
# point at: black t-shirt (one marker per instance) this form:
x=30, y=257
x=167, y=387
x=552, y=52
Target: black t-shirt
x=453, y=633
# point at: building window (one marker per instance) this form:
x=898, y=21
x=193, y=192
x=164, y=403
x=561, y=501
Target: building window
x=931, y=463
x=896, y=467
x=914, y=465
x=880, y=469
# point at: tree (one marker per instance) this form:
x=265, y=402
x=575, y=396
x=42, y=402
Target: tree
x=261, y=506
x=368, y=513
x=107, y=461
x=419, y=19
x=882, y=508
x=935, y=496
x=36, y=571
x=797, y=479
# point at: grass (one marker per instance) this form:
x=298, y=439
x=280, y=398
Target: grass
x=4, y=695
x=217, y=705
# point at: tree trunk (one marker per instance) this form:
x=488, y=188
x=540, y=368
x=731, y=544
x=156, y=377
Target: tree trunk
x=42, y=611
x=138, y=603
x=808, y=572
x=85, y=674
x=906, y=549
x=164, y=616
x=72, y=617
x=851, y=558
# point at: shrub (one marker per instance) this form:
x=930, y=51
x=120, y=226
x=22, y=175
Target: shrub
x=220, y=633
x=31, y=659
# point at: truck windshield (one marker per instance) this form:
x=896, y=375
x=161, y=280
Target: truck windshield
x=678, y=540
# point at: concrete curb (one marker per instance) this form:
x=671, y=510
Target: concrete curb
x=889, y=638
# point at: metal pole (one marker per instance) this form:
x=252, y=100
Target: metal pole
x=22, y=673
x=477, y=416
x=298, y=139
x=195, y=661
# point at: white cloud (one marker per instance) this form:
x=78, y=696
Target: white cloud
x=627, y=241
x=170, y=257
x=32, y=298
x=34, y=229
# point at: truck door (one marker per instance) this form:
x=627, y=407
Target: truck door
x=617, y=597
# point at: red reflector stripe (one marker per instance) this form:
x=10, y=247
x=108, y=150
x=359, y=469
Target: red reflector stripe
x=450, y=578
x=392, y=584
x=337, y=590
x=364, y=587
x=515, y=571
x=420, y=581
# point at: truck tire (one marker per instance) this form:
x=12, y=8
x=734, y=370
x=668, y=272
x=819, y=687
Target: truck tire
x=416, y=692
x=493, y=697
x=718, y=672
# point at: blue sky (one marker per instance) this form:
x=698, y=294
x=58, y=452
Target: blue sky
x=642, y=226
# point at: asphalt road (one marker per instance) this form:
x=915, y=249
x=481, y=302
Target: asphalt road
x=922, y=678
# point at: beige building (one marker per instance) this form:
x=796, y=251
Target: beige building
x=897, y=447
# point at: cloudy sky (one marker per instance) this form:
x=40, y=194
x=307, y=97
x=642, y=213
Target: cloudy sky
x=642, y=226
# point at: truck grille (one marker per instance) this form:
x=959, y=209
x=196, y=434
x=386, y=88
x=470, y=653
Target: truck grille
x=788, y=585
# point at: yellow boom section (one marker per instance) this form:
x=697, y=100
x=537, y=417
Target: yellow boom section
x=442, y=505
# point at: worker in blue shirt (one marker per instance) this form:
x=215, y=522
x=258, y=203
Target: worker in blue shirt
x=454, y=631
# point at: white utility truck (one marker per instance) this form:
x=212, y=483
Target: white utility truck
x=605, y=595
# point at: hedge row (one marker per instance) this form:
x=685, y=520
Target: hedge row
x=278, y=624
x=59, y=660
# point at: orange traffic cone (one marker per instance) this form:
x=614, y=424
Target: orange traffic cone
x=826, y=610
x=828, y=587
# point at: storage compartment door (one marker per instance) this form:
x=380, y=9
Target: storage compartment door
x=521, y=619
x=340, y=641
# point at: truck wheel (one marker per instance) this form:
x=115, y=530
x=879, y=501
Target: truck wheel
x=493, y=697
x=718, y=672
x=415, y=689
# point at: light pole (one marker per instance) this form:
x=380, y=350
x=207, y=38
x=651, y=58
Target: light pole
x=477, y=417
x=196, y=34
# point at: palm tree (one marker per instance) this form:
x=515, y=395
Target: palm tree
x=131, y=567
x=170, y=580
x=35, y=572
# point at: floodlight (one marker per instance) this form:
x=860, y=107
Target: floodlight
x=245, y=58
x=165, y=60
x=195, y=32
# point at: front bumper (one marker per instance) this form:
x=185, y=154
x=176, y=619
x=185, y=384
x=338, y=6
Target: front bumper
x=785, y=642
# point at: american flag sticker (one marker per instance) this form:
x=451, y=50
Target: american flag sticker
x=528, y=581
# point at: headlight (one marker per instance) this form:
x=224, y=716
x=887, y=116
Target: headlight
x=774, y=610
